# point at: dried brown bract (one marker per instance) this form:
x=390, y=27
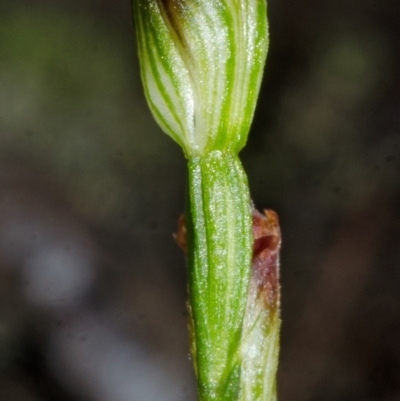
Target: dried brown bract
x=265, y=265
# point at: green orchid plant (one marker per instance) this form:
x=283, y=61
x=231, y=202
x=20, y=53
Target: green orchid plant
x=201, y=65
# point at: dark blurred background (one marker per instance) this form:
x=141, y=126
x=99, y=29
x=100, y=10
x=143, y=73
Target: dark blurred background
x=92, y=285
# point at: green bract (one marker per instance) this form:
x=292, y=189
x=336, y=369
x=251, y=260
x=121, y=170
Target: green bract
x=219, y=258
x=202, y=63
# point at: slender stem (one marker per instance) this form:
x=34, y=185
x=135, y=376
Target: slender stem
x=220, y=250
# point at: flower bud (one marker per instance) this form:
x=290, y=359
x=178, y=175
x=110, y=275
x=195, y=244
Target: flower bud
x=201, y=65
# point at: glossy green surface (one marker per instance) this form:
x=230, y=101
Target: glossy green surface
x=220, y=249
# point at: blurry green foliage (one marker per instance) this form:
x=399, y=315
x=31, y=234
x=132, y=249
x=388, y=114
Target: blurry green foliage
x=66, y=102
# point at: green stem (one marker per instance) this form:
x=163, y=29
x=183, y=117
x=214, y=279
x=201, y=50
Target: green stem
x=219, y=254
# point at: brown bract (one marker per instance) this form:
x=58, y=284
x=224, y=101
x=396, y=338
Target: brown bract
x=181, y=235
x=265, y=265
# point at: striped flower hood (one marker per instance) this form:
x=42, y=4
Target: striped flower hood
x=201, y=65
